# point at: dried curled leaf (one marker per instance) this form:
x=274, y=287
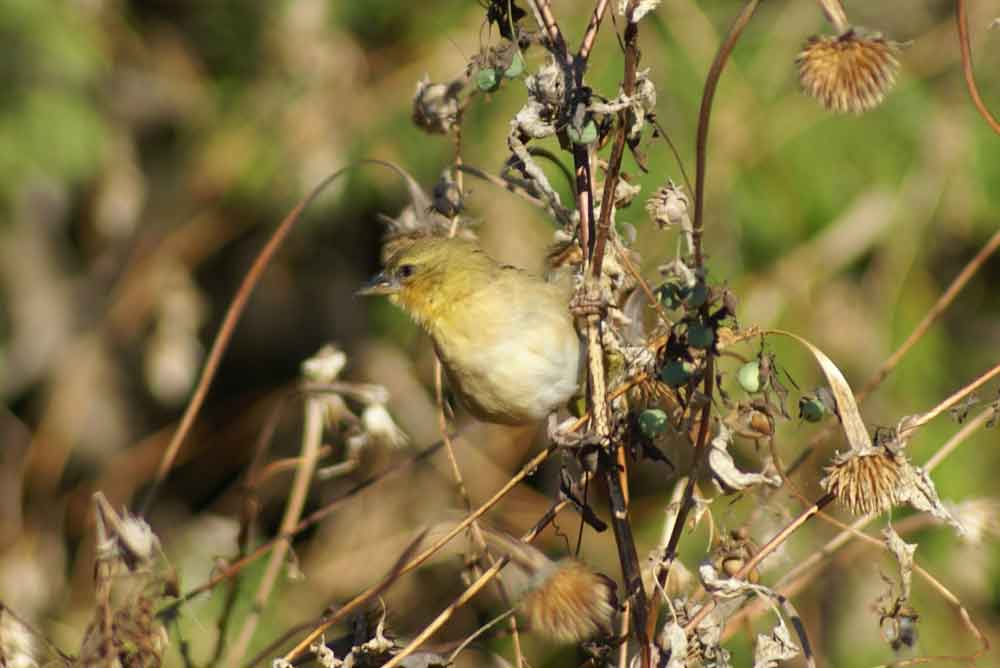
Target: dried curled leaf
x=773, y=648
x=725, y=473
x=847, y=407
x=903, y=553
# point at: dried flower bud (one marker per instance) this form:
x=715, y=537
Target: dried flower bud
x=380, y=425
x=447, y=196
x=436, y=106
x=125, y=537
x=325, y=365
x=849, y=73
x=865, y=483
x=668, y=206
x=570, y=603
x=547, y=85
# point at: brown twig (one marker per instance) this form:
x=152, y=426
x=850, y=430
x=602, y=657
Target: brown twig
x=942, y=303
x=924, y=418
x=962, y=19
x=613, y=172
x=309, y=521
x=312, y=434
x=233, y=314
x=764, y=551
x=587, y=43
x=413, y=563
x=687, y=501
x=704, y=115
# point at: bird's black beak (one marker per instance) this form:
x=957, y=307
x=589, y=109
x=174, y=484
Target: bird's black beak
x=381, y=284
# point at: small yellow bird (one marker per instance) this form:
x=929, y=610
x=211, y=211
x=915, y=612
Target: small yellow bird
x=505, y=337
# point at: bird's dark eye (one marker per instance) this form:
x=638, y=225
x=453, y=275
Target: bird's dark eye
x=406, y=270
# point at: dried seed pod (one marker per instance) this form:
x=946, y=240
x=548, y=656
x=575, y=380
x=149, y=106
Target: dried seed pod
x=864, y=482
x=848, y=73
x=668, y=206
x=571, y=603
x=436, y=106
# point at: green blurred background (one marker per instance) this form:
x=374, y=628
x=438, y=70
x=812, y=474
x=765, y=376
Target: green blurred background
x=147, y=149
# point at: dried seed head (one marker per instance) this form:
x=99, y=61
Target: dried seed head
x=325, y=365
x=668, y=206
x=849, y=73
x=548, y=85
x=436, y=106
x=571, y=603
x=865, y=483
x=379, y=424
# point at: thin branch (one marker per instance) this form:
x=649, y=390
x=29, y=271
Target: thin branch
x=942, y=303
x=312, y=435
x=545, y=19
x=618, y=149
x=587, y=43
x=233, y=314
x=687, y=501
x=307, y=522
x=711, y=83
x=364, y=596
x=962, y=19
x=949, y=402
x=764, y=551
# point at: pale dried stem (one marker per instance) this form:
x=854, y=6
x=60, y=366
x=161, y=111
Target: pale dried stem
x=949, y=402
x=764, y=551
x=623, y=633
x=446, y=614
x=233, y=314
x=312, y=435
x=587, y=43
x=416, y=561
x=942, y=303
x=962, y=19
x=834, y=11
x=807, y=569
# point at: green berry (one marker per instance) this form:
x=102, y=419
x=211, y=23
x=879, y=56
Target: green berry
x=487, y=80
x=698, y=296
x=670, y=295
x=811, y=409
x=585, y=135
x=652, y=422
x=516, y=67
x=676, y=373
x=749, y=376
x=700, y=336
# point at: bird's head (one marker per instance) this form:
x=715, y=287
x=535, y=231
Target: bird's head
x=428, y=275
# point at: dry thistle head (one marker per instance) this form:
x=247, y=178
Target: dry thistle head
x=866, y=482
x=848, y=73
x=570, y=603
x=436, y=106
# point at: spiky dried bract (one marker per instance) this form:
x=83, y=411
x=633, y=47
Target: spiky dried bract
x=865, y=483
x=436, y=106
x=571, y=603
x=852, y=72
